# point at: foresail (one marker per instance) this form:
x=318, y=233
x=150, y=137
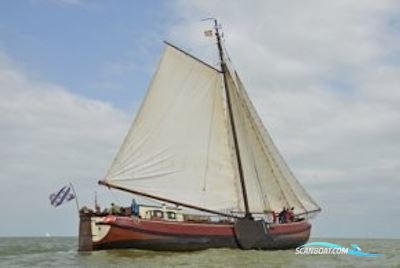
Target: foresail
x=178, y=145
x=270, y=183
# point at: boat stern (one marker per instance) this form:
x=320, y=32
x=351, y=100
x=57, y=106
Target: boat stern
x=85, y=232
x=90, y=231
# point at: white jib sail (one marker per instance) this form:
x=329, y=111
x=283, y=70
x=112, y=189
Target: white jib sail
x=270, y=183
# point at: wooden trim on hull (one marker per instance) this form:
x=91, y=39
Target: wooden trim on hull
x=127, y=232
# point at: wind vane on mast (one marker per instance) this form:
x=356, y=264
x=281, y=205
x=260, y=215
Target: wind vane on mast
x=209, y=33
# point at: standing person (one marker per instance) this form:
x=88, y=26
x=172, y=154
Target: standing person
x=281, y=215
x=135, y=208
x=273, y=217
x=287, y=215
x=291, y=214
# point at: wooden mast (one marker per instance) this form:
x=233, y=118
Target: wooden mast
x=234, y=134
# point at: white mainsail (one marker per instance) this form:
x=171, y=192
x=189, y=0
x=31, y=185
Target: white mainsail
x=180, y=144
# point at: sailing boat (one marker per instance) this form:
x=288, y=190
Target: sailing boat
x=197, y=144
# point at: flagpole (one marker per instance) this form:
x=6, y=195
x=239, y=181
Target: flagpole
x=76, y=197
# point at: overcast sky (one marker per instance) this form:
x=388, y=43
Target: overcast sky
x=324, y=76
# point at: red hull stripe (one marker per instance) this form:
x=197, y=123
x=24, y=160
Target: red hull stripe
x=164, y=233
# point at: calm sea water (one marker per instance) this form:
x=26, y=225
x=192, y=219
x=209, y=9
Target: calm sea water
x=61, y=252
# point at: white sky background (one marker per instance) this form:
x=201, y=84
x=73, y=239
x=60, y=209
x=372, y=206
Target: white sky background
x=324, y=77
x=49, y=137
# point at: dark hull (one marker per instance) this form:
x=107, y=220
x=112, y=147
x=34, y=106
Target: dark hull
x=128, y=232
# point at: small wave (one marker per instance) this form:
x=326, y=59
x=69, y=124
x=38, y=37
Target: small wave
x=26, y=246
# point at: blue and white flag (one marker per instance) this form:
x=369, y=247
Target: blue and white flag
x=64, y=195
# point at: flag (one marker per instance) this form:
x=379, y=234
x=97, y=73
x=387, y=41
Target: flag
x=208, y=33
x=64, y=195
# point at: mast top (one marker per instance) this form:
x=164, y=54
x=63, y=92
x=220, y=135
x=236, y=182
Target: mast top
x=217, y=28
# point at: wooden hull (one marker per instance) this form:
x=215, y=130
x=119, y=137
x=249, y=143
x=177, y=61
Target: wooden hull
x=112, y=232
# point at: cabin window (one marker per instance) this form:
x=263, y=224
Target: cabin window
x=171, y=215
x=158, y=214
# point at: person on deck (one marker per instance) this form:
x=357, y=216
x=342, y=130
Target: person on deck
x=287, y=215
x=282, y=215
x=135, y=208
x=291, y=214
x=115, y=210
x=273, y=217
